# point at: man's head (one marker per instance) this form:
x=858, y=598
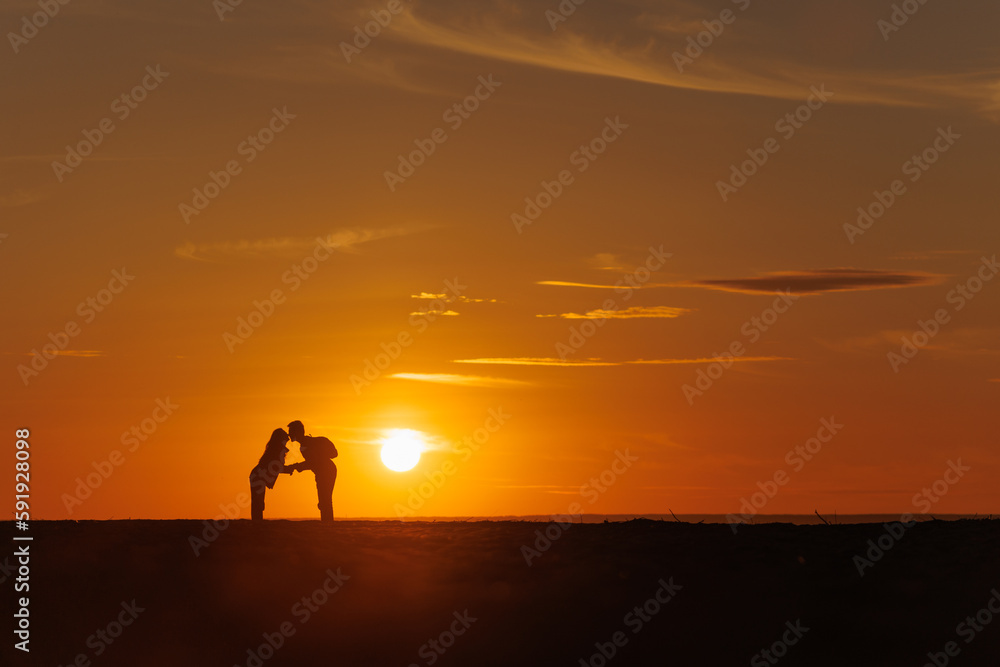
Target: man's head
x=296, y=430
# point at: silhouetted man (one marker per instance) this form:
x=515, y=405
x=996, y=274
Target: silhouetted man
x=317, y=452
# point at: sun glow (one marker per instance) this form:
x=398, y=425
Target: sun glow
x=401, y=449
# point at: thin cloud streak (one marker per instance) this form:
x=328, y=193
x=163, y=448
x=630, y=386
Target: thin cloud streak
x=562, y=283
x=83, y=354
x=634, y=312
x=462, y=380
x=447, y=313
x=21, y=197
x=535, y=361
x=551, y=361
x=707, y=360
x=345, y=240
x=818, y=281
x=450, y=298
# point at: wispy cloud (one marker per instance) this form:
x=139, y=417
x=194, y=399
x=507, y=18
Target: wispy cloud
x=446, y=313
x=85, y=354
x=707, y=360
x=633, y=312
x=21, y=197
x=451, y=298
x=813, y=281
x=606, y=261
x=930, y=254
x=345, y=240
x=463, y=380
x=448, y=299
x=535, y=361
x=771, y=54
x=558, y=489
x=966, y=341
x=875, y=341
x=551, y=361
x=563, y=283
x=817, y=281
x=622, y=42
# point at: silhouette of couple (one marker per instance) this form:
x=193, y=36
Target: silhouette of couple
x=317, y=453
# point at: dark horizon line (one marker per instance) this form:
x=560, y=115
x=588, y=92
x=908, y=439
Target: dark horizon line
x=545, y=518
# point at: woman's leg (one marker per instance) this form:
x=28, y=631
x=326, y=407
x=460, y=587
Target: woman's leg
x=257, y=490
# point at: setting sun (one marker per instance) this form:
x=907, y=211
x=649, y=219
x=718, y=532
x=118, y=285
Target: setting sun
x=401, y=449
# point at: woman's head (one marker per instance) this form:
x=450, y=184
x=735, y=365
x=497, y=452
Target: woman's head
x=278, y=439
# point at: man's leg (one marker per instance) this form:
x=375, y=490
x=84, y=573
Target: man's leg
x=324, y=494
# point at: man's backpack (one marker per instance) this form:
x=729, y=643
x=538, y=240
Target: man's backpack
x=320, y=447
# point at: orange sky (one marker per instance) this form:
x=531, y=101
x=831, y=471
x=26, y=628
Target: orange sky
x=625, y=157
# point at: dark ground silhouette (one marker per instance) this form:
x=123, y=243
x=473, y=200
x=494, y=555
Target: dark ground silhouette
x=407, y=583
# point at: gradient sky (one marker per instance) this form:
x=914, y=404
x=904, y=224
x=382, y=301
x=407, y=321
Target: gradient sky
x=523, y=288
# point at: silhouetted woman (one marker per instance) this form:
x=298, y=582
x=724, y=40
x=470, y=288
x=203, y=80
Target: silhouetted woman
x=265, y=473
